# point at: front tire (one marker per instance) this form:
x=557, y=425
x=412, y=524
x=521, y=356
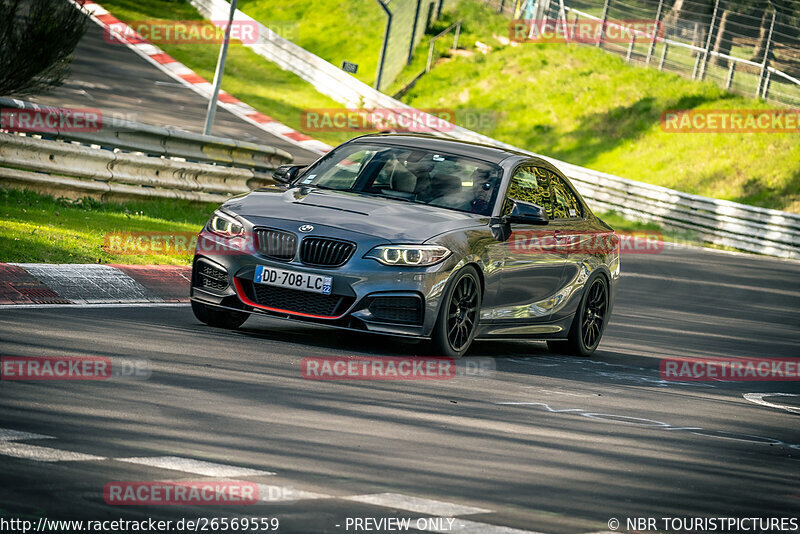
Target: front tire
x=218, y=318
x=589, y=322
x=457, y=323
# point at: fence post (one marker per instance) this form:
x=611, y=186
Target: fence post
x=630, y=48
x=502, y=5
x=572, y=31
x=603, y=23
x=729, y=81
x=537, y=5
x=379, y=74
x=430, y=55
x=562, y=10
x=695, y=42
x=663, y=56
x=707, y=52
x=767, y=81
x=413, y=34
x=458, y=33
x=652, y=47
x=766, y=55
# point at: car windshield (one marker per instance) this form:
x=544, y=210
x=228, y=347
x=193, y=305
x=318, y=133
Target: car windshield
x=409, y=174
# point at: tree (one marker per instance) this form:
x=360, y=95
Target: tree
x=37, y=38
x=724, y=39
x=787, y=19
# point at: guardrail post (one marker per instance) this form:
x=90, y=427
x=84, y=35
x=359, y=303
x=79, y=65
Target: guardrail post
x=663, y=56
x=707, y=53
x=652, y=46
x=603, y=24
x=767, y=81
x=767, y=50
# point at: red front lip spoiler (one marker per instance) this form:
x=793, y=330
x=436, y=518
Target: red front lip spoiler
x=243, y=297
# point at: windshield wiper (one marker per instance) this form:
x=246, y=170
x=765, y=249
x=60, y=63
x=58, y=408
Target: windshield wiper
x=323, y=187
x=387, y=196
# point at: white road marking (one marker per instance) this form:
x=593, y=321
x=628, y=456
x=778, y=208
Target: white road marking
x=462, y=526
x=197, y=467
x=94, y=305
x=267, y=493
x=416, y=504
x=758, y=398
x=8, y=434
x=43, y=454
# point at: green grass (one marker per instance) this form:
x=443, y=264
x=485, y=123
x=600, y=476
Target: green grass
x=588, y=107
x=40, y=229
x=332, y=29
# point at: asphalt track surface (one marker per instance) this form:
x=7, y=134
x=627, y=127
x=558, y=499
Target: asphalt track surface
x=120, y=83
x=609, y=438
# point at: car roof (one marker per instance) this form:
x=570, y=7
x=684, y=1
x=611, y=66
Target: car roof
x=481, y=151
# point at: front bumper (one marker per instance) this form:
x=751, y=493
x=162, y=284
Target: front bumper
x=365, y=294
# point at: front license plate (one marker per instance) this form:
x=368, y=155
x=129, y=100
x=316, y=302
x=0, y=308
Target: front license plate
x=294, y=280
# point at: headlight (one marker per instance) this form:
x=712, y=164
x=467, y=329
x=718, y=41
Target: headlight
x=225, y=225
x=413, y=255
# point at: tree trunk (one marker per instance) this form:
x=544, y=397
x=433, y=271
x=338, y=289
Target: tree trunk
x=672, y=17
x=724, y=41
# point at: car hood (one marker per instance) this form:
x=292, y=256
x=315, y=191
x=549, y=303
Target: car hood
x=390, y=219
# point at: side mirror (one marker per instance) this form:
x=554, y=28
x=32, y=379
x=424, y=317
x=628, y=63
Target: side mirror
x=287, y=173
x=526, y=213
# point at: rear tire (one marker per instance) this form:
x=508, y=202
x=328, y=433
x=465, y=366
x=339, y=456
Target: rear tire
x=218, y=318
x=459, y=313
x=589, y=322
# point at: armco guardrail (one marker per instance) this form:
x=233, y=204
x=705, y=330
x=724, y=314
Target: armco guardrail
x=721, y=222
x=159, y=162
x=74, y=171
x=131, y=136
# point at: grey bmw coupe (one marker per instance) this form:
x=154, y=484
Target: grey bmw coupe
x=415, y=236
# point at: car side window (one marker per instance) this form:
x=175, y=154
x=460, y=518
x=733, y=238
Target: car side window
x=531, y=184
x=565, y=203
